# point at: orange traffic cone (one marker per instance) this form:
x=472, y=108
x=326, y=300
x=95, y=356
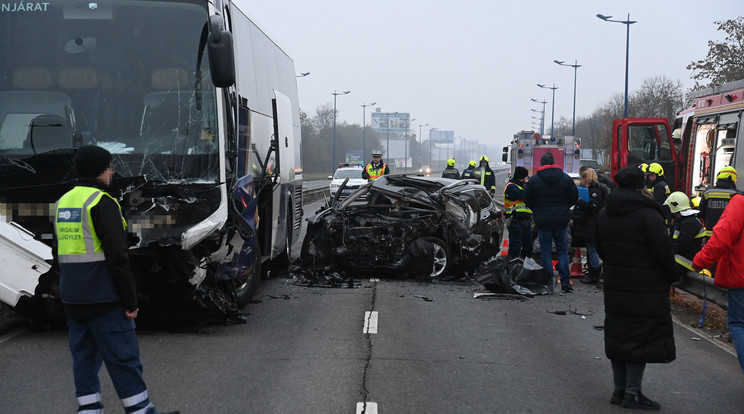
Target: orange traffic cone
x=504, y=247
x=576, y=268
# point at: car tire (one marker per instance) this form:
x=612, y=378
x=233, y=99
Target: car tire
x=442, y=259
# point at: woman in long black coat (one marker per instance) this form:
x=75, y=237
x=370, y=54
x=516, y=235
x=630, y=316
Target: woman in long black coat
x=639, y=269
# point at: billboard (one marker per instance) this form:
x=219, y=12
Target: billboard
x=441, y=137
x=391, y=121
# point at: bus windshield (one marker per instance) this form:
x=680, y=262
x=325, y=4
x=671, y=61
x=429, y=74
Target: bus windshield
x=130, y=76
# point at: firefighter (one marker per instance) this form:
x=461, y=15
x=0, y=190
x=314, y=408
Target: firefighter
x=716, y=198
x=98, y=288
x=468, y=172
x=657, y=183
x=484, y=175
x=451, y=171
x=687, y=238
x=519, y=215
x=375, y=169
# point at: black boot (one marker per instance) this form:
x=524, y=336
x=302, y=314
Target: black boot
x=639, y=401
x=593, y=277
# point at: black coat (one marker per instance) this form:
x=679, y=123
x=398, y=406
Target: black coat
x=639, y=269
x=585, y=214
x=550, y=194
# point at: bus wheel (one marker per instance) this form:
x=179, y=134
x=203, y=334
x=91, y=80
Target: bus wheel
x=282, y=261
x=246, y=285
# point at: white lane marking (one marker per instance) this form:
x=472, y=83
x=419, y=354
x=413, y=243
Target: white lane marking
x=374, y=280
x=12, y=334
x=370, y=409
x=370, y=322
x=705, y=336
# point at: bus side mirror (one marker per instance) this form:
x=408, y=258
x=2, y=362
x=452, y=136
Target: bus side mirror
x=221, y=55
x=504, y=157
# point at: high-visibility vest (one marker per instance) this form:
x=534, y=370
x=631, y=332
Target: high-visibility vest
x=84, y=276
x=515, y=206
x=375, y=174
x=716, y=200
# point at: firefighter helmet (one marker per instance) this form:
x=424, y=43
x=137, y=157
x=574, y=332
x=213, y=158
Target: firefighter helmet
x=727, y=172
x=695, y=201
x=472, y=163
x=377, y=153
x=643, y=167
x=451, y=162
x=655, y=168
x=484, y=158
x=677, y=201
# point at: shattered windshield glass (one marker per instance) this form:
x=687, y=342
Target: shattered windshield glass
x=130, y=76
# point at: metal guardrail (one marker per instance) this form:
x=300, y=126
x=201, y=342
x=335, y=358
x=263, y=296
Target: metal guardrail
x=313, y=194
x=702, y=286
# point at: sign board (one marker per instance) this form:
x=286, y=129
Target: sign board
x=441, y=137
x=391, y=121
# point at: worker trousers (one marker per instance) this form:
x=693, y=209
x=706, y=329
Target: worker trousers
x=109, y=338
x=735, y=321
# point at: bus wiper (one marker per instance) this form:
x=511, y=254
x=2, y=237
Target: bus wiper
x=17, y=163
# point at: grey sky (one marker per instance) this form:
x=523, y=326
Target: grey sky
x=472, y=66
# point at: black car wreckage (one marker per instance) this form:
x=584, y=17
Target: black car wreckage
x=426, y=228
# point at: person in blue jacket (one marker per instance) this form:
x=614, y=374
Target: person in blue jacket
x=550, y=194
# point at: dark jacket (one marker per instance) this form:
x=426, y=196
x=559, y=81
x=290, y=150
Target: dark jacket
x=468, y=173
x=550, y=194
x=515, y=192
x=488, y=180
x=687, y=238
x=106, y=220
x=585, y=213
x=451, y=172
x=660, y=189
x=639, y=268
x=714, y=202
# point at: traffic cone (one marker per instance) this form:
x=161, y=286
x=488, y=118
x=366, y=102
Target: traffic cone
x=576, y=268
x=504, y=247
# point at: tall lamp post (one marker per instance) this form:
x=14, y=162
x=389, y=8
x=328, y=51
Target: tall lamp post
x=335, y=94
x=542, y=125
x=576, y=66
x=364, y=129
x=422, y=140
x=627, y=24
x=552, y=111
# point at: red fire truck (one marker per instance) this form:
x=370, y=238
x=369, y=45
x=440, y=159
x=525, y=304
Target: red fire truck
x=703, y=140
x=528, y=147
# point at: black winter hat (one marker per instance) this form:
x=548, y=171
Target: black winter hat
x=631, y=178
x=91, y=161
x=520, y=172
x=547, y=159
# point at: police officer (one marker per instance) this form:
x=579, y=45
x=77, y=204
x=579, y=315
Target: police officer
x=451, y=171
x=520, y=216
x=468, y=172
x=375, y=169
x=98, y=289
x=716, y=198
x=484, y=174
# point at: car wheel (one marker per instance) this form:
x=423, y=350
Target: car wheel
x=441, y=258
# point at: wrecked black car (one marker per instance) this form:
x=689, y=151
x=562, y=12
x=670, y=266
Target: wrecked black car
x=413, y=226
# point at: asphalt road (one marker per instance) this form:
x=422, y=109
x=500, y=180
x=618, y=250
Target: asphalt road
x=434, y=348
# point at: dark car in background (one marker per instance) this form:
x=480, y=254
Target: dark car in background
x=414, y=226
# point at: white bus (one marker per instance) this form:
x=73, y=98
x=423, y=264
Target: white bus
x=198, y=107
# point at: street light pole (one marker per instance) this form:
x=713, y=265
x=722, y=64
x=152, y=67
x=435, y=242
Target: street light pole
x=627, y=24
x=333, y=160
x=552, y=111
x=364, y=129
x=408, y=137
x=422, y=140
x=542, y=123
x=576, y=66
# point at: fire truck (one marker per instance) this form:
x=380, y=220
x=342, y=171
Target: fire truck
x=527, y=147
x=702, y=141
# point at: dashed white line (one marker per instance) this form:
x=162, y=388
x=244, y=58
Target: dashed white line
x=371, y=408
x=370, y=322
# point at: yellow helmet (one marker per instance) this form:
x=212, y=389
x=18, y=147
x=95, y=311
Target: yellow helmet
x=695, y=202
x=643, y=167
x=484, y=158
x=655, y=168
x=451, y=162
x=677, y=201
x=472, y=163
x=727, y=172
